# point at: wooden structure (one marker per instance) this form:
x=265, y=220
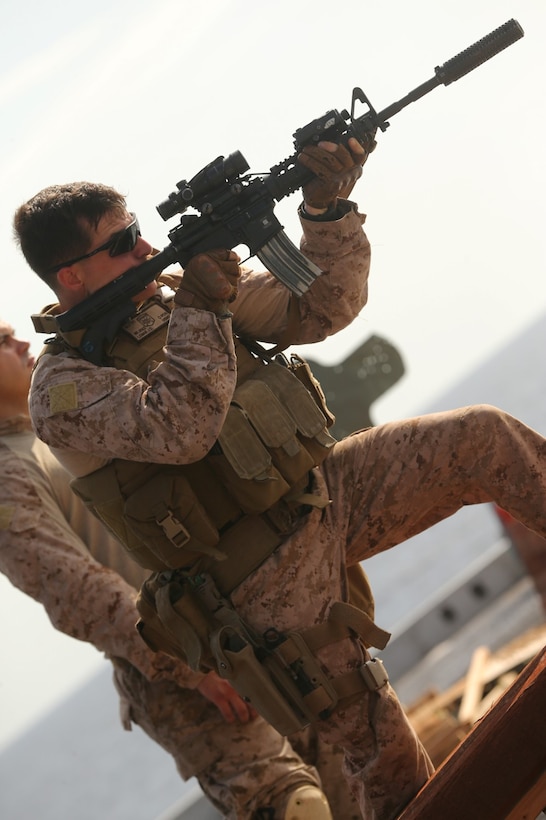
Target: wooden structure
x=494, y=721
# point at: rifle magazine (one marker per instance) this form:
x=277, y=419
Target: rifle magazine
x=287, y=264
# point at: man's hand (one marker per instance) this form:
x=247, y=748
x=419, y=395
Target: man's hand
x=210, y=281
x=336, y=167
x=230, y=704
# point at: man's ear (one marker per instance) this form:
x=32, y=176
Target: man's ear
x=70, y=279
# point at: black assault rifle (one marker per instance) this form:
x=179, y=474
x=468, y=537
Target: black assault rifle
x=239, y=210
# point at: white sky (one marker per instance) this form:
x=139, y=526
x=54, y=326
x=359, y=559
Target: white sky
x=454, y=192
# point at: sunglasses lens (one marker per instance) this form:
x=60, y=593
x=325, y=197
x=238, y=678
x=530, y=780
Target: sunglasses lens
x=126, y=240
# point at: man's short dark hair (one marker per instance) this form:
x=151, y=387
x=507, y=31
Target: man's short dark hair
x=55, y=224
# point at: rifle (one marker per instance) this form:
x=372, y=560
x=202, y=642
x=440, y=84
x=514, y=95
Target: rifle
x=235, y=209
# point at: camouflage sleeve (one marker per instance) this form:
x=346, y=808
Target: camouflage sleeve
x=174, y=417
x=43, y=557
x=342, y=250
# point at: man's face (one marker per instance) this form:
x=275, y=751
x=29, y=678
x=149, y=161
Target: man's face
x=98, y=270
x=15, y=364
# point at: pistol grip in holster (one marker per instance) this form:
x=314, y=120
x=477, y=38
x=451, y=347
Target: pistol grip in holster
x=237, y=663
x=285, y=684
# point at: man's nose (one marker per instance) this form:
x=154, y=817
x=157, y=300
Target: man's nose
x=22, y=346
x=142, y=248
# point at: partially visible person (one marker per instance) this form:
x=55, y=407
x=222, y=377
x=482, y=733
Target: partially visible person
x=55, y=551
x=530, y=547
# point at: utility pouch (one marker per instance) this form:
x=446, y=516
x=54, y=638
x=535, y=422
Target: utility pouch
x=274, y=434
x=174, y=619
x=245, y=465
x=149, y=626
x=275, y=427
x=293, y=659
x=300, y=368
x=166, y=515
x=237, y=662
x=101, y=493
x=302, y=397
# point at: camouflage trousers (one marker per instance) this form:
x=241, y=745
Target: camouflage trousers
x=241, y=768
x=386, y=484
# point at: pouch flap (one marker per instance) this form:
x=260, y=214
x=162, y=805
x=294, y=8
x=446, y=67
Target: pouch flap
x=272, y=423
x=242, y=446
x=295, y=398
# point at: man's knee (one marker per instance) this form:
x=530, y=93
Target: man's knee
x=307, y=803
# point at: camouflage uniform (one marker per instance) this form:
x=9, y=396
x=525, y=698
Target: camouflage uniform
x=241, y=767
x=55, y=551
x=385, y=484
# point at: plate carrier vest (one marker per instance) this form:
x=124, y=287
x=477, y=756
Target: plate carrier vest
x=202, y=528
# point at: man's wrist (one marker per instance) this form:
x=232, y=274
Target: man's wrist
x=320, y=214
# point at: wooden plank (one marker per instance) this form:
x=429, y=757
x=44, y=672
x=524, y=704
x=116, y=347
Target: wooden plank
x=473, y=690
x=532, y=804
x=517, y=653
x=494, y=694
x=500, y=762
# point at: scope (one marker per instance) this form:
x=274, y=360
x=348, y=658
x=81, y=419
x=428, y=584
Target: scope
x=219, y=172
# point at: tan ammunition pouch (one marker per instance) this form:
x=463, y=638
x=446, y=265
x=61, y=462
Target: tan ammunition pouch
x=275, y=432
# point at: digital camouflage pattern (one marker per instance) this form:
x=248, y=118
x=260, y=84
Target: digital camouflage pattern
x=385, y=484
x=240, y=767
x=55, y=551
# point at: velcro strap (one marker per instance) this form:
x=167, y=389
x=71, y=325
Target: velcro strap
x=342, y=618
x=319, y=702
x=349, y=684
x=320, y=502
x=360, y=622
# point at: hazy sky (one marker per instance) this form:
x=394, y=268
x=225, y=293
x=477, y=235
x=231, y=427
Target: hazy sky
x=139, y=99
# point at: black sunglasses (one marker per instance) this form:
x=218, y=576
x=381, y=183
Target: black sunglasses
x=121, y=242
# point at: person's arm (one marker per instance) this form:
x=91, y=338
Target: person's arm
x=44, y=558
x=333, y=238
x=228, y=702
x=341, y=249
x=173, y=417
